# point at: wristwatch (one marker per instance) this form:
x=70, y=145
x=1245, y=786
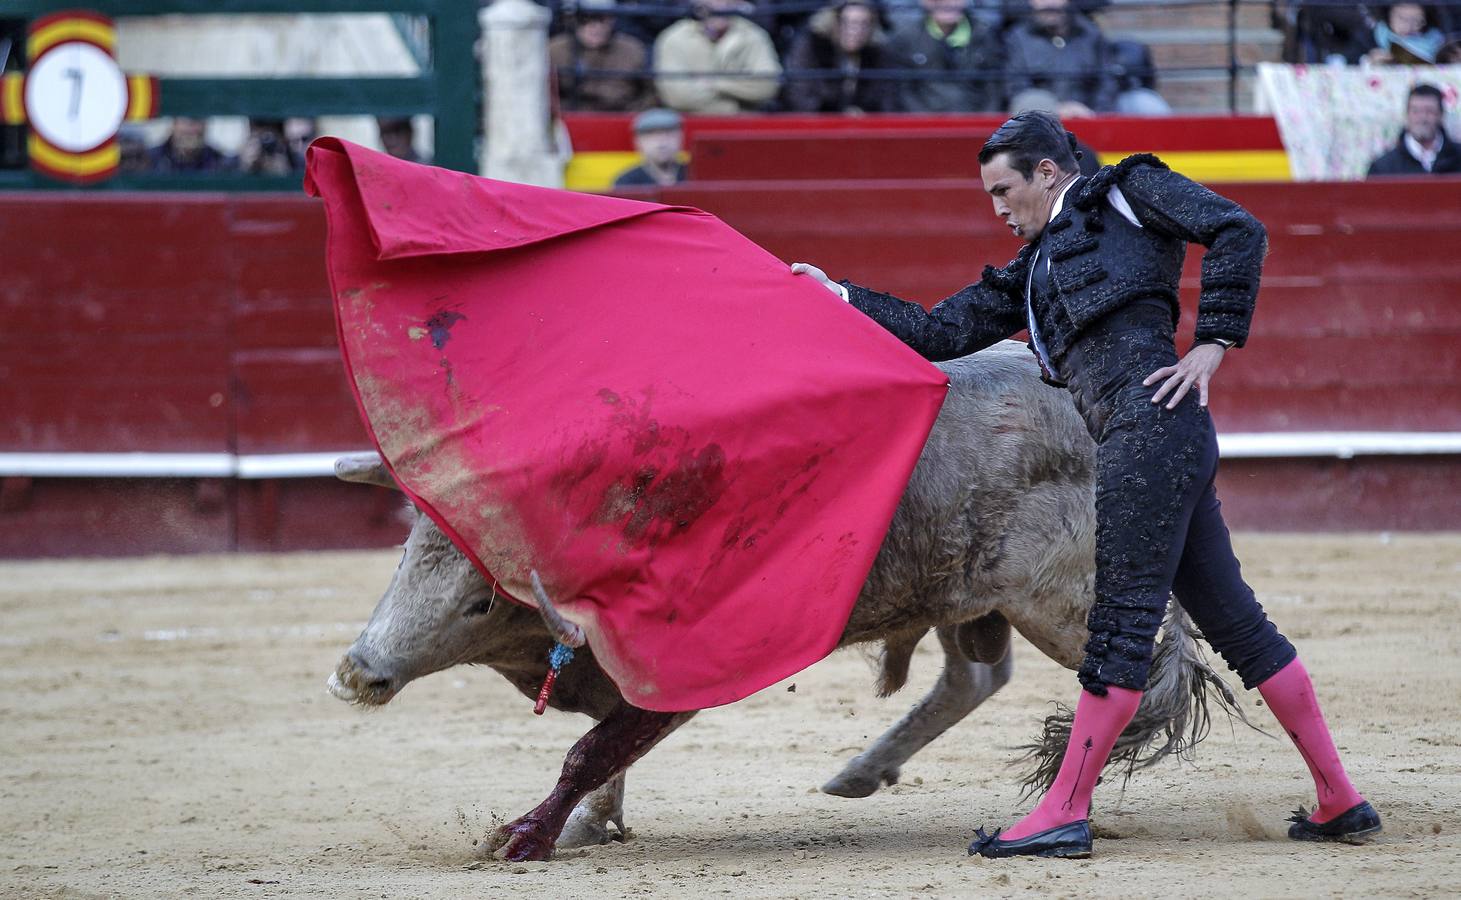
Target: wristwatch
x=1221, y=342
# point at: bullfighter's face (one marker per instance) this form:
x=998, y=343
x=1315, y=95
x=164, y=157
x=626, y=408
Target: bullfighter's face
x=1023, y=203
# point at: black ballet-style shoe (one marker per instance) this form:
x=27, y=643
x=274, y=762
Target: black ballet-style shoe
x=1069, y=841
x=1355, y=825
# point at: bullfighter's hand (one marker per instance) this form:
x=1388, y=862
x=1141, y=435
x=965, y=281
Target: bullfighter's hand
x=820, y=276
x=1197, y=367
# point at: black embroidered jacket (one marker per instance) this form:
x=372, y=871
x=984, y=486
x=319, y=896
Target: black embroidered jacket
x=1095, y=269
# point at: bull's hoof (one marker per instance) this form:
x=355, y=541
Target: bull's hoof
x=582, y=831
x=860, y=780
x=522, y=840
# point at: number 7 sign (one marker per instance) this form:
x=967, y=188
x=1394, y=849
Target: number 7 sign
x=74, y=96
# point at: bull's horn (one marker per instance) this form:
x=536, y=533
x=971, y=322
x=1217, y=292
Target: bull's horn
x=364, y=468
x=563, y=631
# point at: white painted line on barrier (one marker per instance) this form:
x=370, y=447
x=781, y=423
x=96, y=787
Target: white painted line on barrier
x=291, y=465
x=1267, y=445
x=1338, y=444
x=171, y=465
x=118, y=465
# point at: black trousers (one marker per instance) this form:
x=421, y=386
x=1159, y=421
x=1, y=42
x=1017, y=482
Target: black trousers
x=1159, y=525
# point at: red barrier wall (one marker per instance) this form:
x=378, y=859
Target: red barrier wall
x=202, y=323
x=182, y=323
x=198, y=323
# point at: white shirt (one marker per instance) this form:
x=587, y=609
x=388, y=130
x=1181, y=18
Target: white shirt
x=1426, y=157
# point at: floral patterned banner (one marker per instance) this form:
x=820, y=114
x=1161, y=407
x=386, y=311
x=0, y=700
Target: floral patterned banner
x=1335, y=120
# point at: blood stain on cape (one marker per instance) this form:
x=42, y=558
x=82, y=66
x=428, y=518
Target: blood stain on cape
x=439, y=326
x=655, y=505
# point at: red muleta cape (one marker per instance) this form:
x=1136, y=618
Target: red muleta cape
x=698, y=451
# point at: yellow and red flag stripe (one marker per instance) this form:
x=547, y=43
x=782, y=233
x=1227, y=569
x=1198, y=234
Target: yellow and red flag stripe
x=12, y=99
x=93, y=165
x=142, y=96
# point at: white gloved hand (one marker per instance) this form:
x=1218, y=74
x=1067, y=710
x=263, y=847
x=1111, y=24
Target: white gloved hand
x=821, y=277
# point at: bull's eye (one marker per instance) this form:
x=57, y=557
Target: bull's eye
x=481, y=607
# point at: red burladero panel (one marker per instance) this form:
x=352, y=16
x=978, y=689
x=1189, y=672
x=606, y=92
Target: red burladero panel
x=116, y=314
x=169, y=323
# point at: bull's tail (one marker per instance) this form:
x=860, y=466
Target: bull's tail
x=1174, y=715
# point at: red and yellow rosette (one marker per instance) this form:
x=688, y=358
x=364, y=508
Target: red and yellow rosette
x=74, y=96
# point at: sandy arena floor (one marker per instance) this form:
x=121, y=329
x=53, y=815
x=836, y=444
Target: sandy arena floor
x=164, y=731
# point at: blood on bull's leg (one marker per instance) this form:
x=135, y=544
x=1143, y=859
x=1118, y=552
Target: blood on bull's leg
x=608, y=749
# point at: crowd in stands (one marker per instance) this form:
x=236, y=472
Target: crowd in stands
x=272, y=147
x=931, y=56
x=722, y=57
x=1343, y=32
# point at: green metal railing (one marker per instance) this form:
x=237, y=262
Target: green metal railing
x=447, y=90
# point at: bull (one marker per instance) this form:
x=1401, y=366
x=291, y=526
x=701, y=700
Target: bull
x=995, y=532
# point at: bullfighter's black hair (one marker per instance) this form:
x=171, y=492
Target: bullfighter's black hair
x=1030, y=137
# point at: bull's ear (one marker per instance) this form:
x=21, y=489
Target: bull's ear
x=364, y=468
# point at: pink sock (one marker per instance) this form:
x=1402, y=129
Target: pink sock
x=1290, y=694
x=1099, y=721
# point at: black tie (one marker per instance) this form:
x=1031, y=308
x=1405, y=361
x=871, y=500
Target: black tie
x=1040, y=282
x=1040, y=291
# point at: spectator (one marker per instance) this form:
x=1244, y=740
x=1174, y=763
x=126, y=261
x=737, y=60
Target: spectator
x=846, y=38
x=398, y=137
x=1424, y=147
x=132, y=143
x=299, y=133
x=592, y=44
x=992, y=14
x=1409, y=35
x=659, y=138
x=266, y=151
x=1058, y=49
x=186, y=150
x=960, y=60
x=785, y=21
x=718, y=48
x=1323, y=31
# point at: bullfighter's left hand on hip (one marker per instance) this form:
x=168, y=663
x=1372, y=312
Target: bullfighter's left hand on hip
x=1197, y=367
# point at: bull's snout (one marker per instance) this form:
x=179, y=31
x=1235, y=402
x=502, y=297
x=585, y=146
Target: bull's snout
x=355, y=681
